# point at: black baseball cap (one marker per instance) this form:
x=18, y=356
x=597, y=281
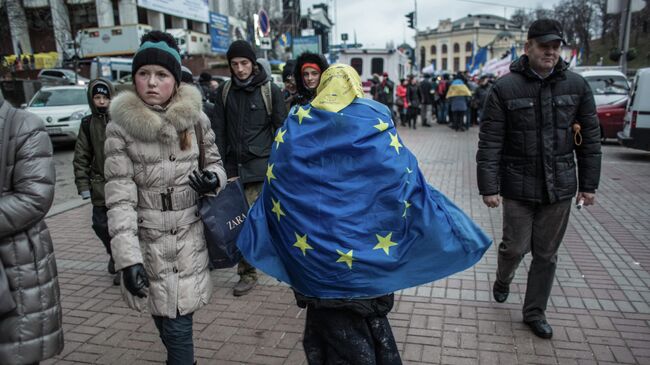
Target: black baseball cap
x=546, y=30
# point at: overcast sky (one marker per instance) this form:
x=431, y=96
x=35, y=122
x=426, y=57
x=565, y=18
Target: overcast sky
x=379, y=21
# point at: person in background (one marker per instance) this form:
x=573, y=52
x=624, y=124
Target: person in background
x=401, y=101
x=204, y=84
x=527, y=155
x=88, y=162
x=443, y=106
x=413, y=102
x=457, y=97
x=309, y=68
x=426, y=100
x=480, y=95
x=245, y=129
x=290, y=90
x=33, y=330
x=385, y=96
x=152, y=188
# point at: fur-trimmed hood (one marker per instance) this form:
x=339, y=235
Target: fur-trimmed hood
x=149, y=124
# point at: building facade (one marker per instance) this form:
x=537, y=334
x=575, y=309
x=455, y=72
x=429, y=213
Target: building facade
x=34, y=26
x=451, y=46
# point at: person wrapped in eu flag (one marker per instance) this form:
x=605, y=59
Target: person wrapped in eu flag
x=346, y=218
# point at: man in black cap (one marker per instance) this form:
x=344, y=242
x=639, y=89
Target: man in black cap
x=249, y=109
x=528, y=156
x=89, y=159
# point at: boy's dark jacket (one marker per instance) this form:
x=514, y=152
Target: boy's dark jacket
x=89, y=155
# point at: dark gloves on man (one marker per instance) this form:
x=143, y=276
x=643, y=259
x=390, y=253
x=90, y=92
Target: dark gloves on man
x=204, y=182
x=135, y=280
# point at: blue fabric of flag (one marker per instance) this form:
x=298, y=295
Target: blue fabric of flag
x=345, y=211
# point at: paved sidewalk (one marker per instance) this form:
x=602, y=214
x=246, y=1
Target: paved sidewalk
x=599, y=310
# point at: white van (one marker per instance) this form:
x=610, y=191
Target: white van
x=636, y=130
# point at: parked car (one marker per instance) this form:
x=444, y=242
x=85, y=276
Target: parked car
x=636, y=129
x=611, y=89
x=61, y=108
x=60, y=76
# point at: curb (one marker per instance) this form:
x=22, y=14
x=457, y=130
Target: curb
x=64, y=207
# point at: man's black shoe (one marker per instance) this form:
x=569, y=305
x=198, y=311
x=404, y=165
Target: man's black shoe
x=541, y=328
x=500, y=295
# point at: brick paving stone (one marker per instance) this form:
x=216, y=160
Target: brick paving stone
x=599, y=304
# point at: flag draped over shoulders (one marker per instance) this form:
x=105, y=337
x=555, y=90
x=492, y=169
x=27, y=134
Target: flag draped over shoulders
x=345, y=212
x=458, y=88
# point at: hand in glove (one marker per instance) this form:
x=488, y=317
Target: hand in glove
x=205, y=182
x=85, y=194
x=135, y=280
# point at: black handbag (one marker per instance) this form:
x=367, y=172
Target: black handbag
x=7, y=303
x=223, y=216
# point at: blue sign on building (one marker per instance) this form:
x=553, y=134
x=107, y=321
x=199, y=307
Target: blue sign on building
x=219, y=32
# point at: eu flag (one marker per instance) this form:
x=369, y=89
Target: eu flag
x=346, y=213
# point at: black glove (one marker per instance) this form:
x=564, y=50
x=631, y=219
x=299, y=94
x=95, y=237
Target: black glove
x=205, y=182
x=135, y=280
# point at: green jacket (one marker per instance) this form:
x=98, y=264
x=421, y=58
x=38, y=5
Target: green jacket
x=89, y=155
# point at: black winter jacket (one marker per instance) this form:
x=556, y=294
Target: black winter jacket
x=526, y=147
x=88, y=161
x=244, y=132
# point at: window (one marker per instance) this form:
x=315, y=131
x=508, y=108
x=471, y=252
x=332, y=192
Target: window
x=444, y=64
x=444, y=49
x=357, y=64
x=433, y=63
x=456, y=64
x=377, y=66
x=468, y=62
x=468, y=47
x=433, y=49
x=456, y=47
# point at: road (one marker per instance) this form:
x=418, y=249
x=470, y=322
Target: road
x=599, y=307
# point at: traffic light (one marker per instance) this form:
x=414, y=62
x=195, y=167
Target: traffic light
x=411, y=19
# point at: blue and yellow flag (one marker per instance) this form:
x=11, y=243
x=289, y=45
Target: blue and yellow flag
x=346, y=213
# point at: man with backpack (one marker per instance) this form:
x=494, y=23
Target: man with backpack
x=441, y=91
x=249, y=110
x=88, y=162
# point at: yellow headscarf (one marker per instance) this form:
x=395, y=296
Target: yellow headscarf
x=338, y=87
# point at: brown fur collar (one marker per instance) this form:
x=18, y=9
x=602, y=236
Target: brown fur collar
x=149, y=124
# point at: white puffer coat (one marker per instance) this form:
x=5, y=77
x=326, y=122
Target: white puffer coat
x=144, y=163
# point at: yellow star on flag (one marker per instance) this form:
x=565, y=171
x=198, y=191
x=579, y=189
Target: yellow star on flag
x=394, y=142
x=382, y=126
x=277, y=209
x=407, y=205
x=407, y=177
x=279, y=137
x=269, y=172
x=384, y=243
x=303, y=113
x=301, y=243
x=346, y=257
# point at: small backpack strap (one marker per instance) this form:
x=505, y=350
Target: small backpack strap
x=266, y=97
x=224, y=93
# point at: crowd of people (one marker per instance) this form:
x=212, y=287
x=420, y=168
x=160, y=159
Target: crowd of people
x=429, y=98
x=137, y=160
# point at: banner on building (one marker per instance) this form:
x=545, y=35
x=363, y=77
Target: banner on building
x=306, y=44
x=238, y=29
x=219, y=32
x=198, y=10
